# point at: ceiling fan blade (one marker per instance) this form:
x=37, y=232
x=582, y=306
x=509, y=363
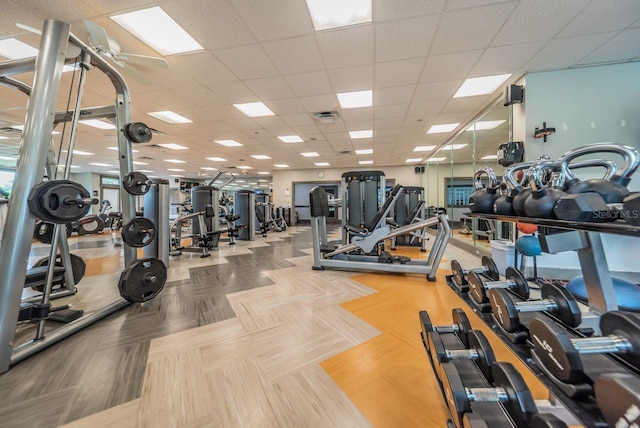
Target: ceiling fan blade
x=132, y=72
x=148, y=61
x=97, y=35
x=28, y=28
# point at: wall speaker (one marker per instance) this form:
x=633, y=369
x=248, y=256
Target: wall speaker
x=419, y=169
x=513, y=94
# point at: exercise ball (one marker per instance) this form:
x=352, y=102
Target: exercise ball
x=528, y=245
x=527, y=228
x=627, y=293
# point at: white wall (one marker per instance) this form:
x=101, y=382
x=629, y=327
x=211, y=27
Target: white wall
x=91, y=182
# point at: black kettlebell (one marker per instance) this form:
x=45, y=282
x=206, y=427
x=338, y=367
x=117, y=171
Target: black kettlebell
x=611, y=169
x=504, y=204
x=481, y=201
x=542, y=199
x=613, y=189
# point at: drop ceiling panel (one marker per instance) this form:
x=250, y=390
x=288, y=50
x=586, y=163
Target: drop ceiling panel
x=199, y=96
x=449, y=66
x=307, y=131
x=297, y=119
x=559, y=53
x=624, y=46
x=247, y=62
x=357, y=114
x=528, y=24
x=271, y=20
x=296, y=55
x=387, y=123
x=389, y=112
x=407, y=38
x=233, y=93
x=269, y=88
x=436, y=90
x=286, y=106
x=504, y=59
x=398, y=73
x=202, y=67
x=346, y=47
x=63, y=10
x=426, y=107
x=468, y=29
x=243, y=124
x=357, y=78
x=12, y=13
x=167, y=100
x=112, y=6
x=396, y=9
x=467, y=104
x=603, y=15
x=307, y=84
x=318, y=103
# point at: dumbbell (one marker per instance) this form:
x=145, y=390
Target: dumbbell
x=516, y=282
x=556, y=300
x=618, y=397
x=560, y=354
x=510, y=390
x=461, y=326
x=488, y=269
x=478, y=350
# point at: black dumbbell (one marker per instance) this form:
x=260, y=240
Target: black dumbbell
x=618, y=397
x=488, y=268
x=515, y=281
x=510, y=390
x=478, y=350
x=555, y=300
x=461, y=326
x=560, y=354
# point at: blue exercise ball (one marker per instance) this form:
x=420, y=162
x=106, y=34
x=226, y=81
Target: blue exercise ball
x=627, y=293
x=528, y=245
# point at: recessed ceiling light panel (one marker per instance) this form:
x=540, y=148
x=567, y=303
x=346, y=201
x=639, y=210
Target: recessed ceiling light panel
x=364, y=152
x=310, y=154
x=228, y=143
x=15, y=49
x=443, y=128
x=258, y=109
x=481, y=85
x=173, y=146
x=260, y=157
x=411, y=160
x=327, y=14
x=354, y=135
x=290, y=139
x=322, y=164
x=217, y=159
x=281, y=165
x=367, y=162
x=169, y=117
x=174, y=161
x=355, y=99
x=424, y=148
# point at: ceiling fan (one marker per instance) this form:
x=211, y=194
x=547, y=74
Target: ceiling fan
x=110, y=49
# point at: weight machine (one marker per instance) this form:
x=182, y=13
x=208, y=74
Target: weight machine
x=350, y=256
x=202, y=239
x=143, y=279
x=363, y=192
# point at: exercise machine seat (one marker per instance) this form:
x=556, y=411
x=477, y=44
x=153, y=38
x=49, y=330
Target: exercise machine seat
x=627, y=293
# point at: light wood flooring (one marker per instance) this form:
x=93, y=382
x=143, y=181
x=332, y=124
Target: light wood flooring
x=250, y=337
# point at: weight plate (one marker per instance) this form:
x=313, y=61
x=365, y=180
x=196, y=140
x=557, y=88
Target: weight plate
x=520, y=405
x=520, y=285
x=568, y=310
x=43, y=231
x=59, y=201
x=459, y=318
x=491, y=268
x=137, y=132
x=142, y=280
x=78, y=268
x=136, y=183
x=139, y=232
x=486, y=357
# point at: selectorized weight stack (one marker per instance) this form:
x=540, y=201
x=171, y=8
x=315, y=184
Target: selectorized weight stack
x=362, y=193
x=244, y=205
x=156, y=208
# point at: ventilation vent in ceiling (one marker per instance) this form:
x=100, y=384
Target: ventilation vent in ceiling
x=344, y=152
x=327, y=117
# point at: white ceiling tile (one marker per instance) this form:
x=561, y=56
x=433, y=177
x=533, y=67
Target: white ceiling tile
x=286, y=106
x=603, y=15
x=243, y=124
x=332, y=127
x=407, y=38
x=624, y=46
x=449, y=66
x=394, y=95
x=215, y=25
x=215, y=125
x=199, y=96
x=387, y=133
x=396, y=9
x=469, y=29
x=63, y=10
x=202, y=67
x=357, y=78
x=307, y=84
x=296, y=55
x=527, y=24
x=563, y=53
x=275, y=19
x=395, y=122
x=452, y=118
x=436, y=91
x=390, y=112
x=465, y=4
x=269, y=122
x=247, y=62
x=306, y=130
x=270, y=88
x=318, y=103
x=346, y=47
x=167, y=100
x=234, y=92
x=225, y=112
x=359, y=125
x=398, y=73
x=297, y=119
x=426, y=107
x=504, y=59
x=466, y=104
x=422, y=123
x=357, y=114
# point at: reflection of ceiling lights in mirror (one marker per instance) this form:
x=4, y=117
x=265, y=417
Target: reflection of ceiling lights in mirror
x=217, y=159
x=436, y=159
x=281, y=165
x=443, y=128
x=481, y=85
x=453, y=147
x=367, y=162
x=424, y=148
x=322, y=163
x=489, y=157
x=485, y=125
x=208, y=168
x=263, y=173
x=411, y=160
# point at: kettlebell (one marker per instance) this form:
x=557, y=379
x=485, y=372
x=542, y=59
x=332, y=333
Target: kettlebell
x=542, y=199
x=504, y=204
x=482, y=199
x=610, y=167
x=523, y=192
x=613, y=189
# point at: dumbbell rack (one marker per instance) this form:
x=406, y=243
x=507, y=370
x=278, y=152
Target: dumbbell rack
x=599, y=290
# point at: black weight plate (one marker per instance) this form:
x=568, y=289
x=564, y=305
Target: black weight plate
x=43, y=231
x=491, y=268
x=626, y=325
x=520, y=404
x=547, y=420
x=136, y=183
x=455, y=393
x=142, y=280
x=460, y=319
x=476, y=288
x=568, y=311
x=139, y=232
x=555, y=350
x=78, y=268
x=520, y=286
x=137, y=132
x=56, y=201
x=504, y=310
x=486, y=357
x=425, y=323
x=458, y=273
